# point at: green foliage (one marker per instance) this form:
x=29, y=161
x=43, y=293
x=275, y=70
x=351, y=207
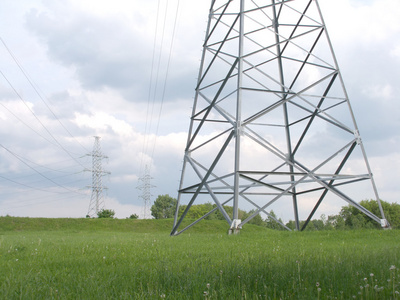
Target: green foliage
x=354, y=219
x=134, y=216
x=199, y=210
x=257, y=220
x=164, y=207
x=106, y=213
x=271, y=223
x=392, y=213
x=206, y=264
x=350, y=217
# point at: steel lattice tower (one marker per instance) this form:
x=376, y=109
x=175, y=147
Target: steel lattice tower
x=145, y=187
x=271, y=124
x=97, y=201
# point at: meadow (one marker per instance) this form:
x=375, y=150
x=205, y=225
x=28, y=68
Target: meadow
x=137, y=259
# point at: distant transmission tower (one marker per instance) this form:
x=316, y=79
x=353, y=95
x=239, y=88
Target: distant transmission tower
x=145, y=187
x=97, y=201
x=271, y=125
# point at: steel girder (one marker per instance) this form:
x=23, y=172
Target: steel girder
x=271, y=119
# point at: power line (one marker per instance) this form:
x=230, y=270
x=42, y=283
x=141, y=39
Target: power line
x=166, y=77
x=147, y=150
x=35, y=88
x=35, y=170
x=40, y=122
x=19, y=119
x=146, y=129
x=26, y=203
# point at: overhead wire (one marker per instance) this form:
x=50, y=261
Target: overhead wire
x=18, y=118
x=51, y=179
x=24, y=185
x=40, y=122
x=166, y=77
x=152, y=97
x=33, y=201
x=36, y=89
x=30, y=110
x=144, y=149
x=54, y=163
x=61, y=177
x=148, y=149
x=157, y=74
x=33, y=169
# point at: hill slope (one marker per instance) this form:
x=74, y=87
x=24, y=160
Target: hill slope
x=105, y=224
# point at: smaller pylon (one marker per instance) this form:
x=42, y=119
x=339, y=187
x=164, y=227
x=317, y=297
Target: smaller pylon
x=145, y=187
x=96, y=201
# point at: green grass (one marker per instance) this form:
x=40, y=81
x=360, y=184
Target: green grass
x=121, y=225
x=137, y=259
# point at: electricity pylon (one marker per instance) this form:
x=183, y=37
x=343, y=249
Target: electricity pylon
x=145, y=187
x=97, y=201
x=271, y=125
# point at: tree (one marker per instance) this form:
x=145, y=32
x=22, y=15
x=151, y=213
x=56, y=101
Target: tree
x=350, y=217
x=257, y=220
x=164, y=207
x=355, y=219
x=271, y=223
x=335, y=222
x=106, y=213
x=133, y=216
x=199, y=210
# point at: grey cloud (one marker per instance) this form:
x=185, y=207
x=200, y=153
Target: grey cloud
x=108, y=52
x=104, y=52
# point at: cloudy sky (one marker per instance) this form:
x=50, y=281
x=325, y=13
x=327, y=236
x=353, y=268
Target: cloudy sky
x=125, y=71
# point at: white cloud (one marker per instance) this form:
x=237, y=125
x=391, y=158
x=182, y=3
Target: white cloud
x=91, y=62
x=70, y=207
x=101, y=121
x=351, y=22
x=380, y=92
x=395, y=52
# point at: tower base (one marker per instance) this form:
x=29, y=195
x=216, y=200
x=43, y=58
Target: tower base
x=235, y=227
x=385, y=224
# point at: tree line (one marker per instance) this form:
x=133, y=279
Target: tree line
x=349, y=217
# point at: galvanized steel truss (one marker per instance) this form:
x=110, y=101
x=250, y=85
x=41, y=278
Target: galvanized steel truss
x=271, y=118
x=97, y=201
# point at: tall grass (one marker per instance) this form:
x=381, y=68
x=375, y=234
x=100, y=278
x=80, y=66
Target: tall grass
x=74, y=263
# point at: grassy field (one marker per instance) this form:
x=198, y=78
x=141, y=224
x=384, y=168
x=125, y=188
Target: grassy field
x=137, y=259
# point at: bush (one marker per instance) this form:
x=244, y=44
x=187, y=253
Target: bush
x=106, y=213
